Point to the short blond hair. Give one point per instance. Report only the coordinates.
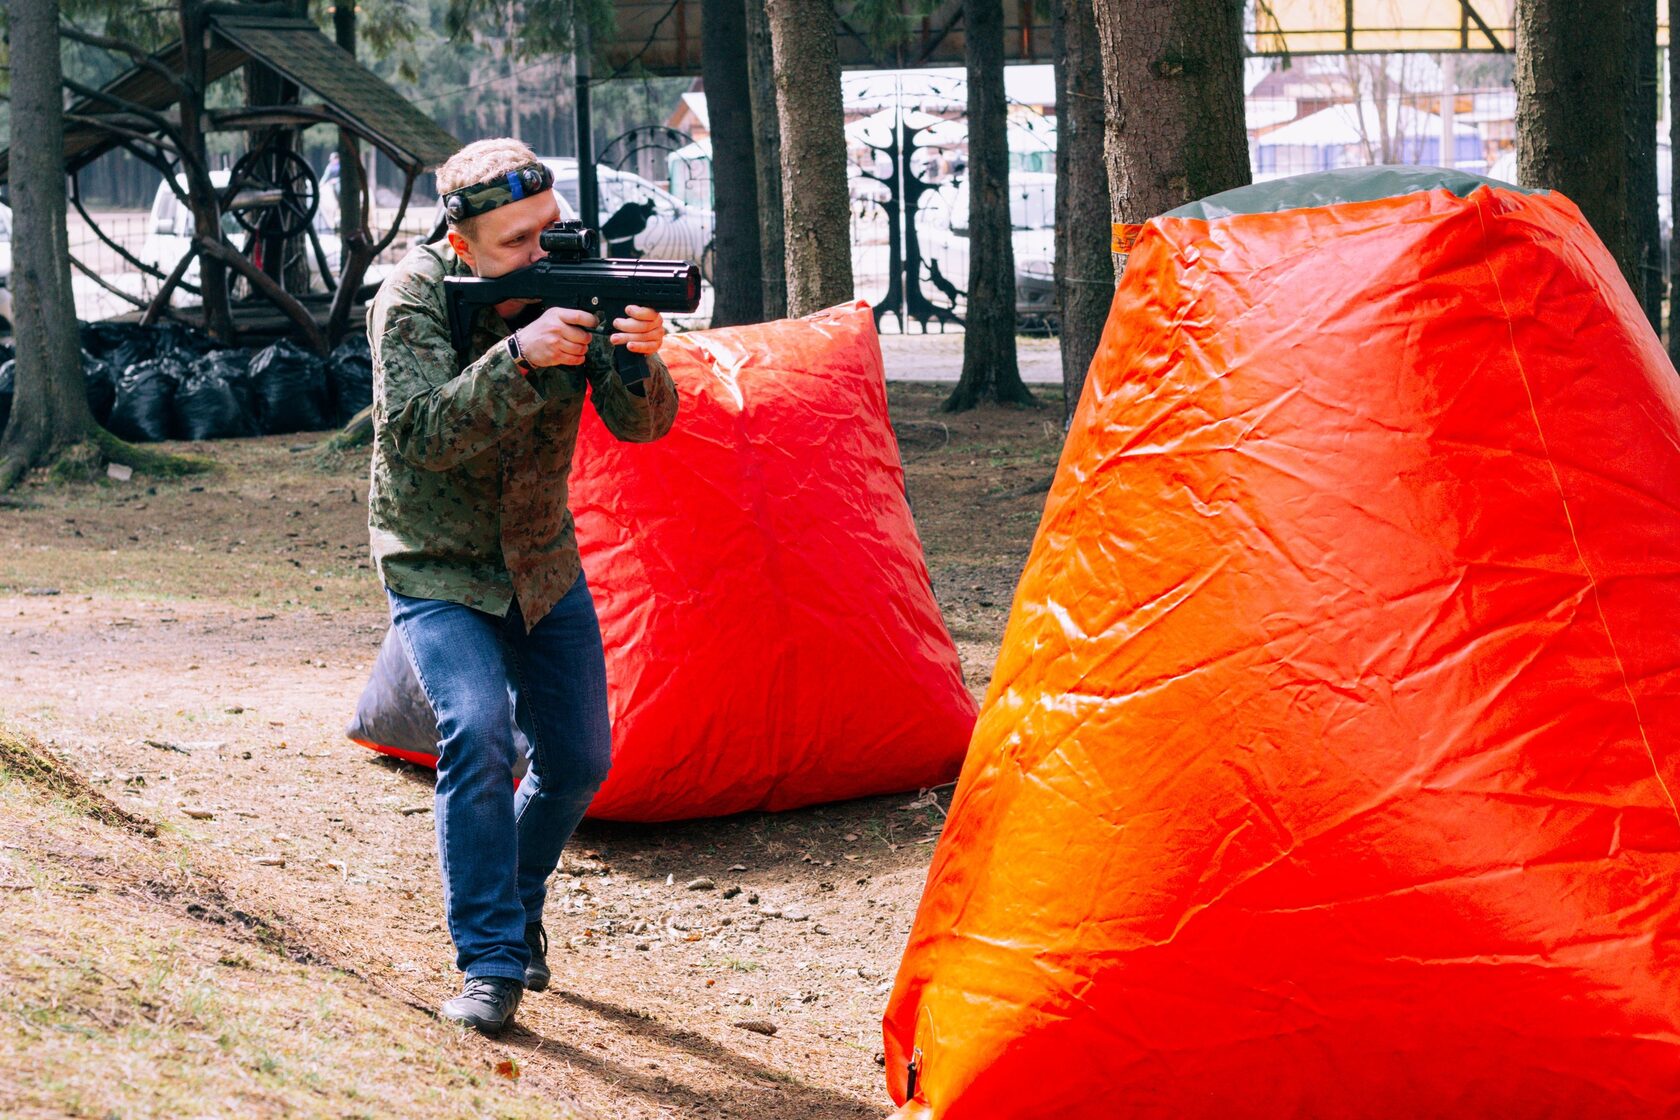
(481, 160)
(478, 161)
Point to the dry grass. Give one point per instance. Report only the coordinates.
(130, 986)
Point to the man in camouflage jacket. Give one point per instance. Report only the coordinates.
(475, 546)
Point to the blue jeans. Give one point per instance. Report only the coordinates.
(483, 675)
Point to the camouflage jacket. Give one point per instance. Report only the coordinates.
(468, 495)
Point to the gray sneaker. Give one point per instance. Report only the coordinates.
(536, 973)
(486, 1003)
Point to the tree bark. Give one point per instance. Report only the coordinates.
(817, 212)
(1172, 76)
(1644, 224)
(49, 405)
(1574, 88)
(1084, 264)
(737, 286)
(990, 371)
(767, 158)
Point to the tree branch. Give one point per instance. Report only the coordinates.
(106, 284)
(158, 120)
(141, 57)
(109, 125)
(265, 284)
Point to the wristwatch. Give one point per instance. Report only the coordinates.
(520, 362)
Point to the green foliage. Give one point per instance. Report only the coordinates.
(385, 29)
(537, 27)
(888, 24)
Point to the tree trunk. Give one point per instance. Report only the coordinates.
(49, 406)
(767, 158)
(989, 371)
(1574, 87)
(804, 38)
(1172, 76)
(737, 283)
(1644, 225)
(1084, 265)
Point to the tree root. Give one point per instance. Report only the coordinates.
(85, 461)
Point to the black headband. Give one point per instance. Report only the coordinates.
(511, 186)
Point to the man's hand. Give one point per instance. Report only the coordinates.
(642, 330)
(560, 335)
(557, 337)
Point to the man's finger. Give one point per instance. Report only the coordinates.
(637, 311)
(572, 334)
(574, 317)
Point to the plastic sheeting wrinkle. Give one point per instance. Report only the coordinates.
(1569, 519)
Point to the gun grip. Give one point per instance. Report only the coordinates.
(632, 369)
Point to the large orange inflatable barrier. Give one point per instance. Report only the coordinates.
(1329, 767)
(771, 632)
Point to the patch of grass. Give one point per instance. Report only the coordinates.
(131, 986)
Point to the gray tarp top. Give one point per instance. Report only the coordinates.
(1327, 188)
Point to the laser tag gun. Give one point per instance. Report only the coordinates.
(574, 276)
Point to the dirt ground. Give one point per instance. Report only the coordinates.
(198, 644)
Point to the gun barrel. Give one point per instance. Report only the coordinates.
(661, 285)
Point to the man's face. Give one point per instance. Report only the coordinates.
(507, 238)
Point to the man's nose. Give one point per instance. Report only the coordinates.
(535, 254)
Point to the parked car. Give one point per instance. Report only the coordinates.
(943, 233)
(169, 231)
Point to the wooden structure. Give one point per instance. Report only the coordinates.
(154, 111)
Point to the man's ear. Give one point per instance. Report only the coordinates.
(463, 250)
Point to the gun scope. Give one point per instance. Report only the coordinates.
(570, 241)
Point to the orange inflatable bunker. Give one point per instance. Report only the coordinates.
(1329, 767)
(771, 633)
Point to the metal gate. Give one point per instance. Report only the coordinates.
(907, 161)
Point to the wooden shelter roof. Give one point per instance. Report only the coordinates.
(350, 93)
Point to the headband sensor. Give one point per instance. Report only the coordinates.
(480, 198)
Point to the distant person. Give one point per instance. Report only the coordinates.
(330, 175)
(474, 544)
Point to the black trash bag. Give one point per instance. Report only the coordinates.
(291, 389)
(145, 401)
(207, 407)
(182, 342)
(355, 345)
(100, 380)
(234, 367)
(6, 384)
(124, 345)
(350, 374)
(102, 339)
